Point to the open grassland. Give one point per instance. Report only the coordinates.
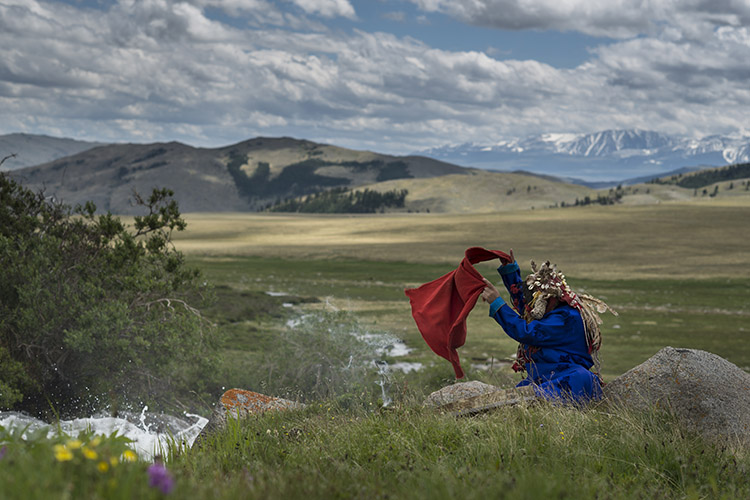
(677, 273)
(669, 240)
(709, 314)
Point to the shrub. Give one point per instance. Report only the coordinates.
(92, 307)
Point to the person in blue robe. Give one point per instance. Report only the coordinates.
(550, 322)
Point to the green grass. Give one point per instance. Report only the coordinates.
(528, 452)
(344, 445)
(708, 314)
(322, 451)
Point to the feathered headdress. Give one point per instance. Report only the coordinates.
(546, 282)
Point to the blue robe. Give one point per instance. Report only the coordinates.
(555, 345)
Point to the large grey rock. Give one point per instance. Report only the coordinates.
(706, 393)
(238, 403)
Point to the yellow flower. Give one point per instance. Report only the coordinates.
(89, 453)
(113, 461)
(73, 444)
(129, 456)
(62, 454)
(102, 466)
(95, 442)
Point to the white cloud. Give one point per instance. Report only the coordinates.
(613, 18)
(164, 70)
(397, 15)
(327, 8)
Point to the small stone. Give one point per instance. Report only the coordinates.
(240, 403)
(458, 391)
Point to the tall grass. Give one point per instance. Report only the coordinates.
(326, 451)
(539, 451)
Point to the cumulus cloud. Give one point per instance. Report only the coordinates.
(327, 8)
(613, 18)
(163, 70)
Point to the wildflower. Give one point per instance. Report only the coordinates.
(102, 466)
(62, 454)
(73, 444)
(129, 456)
(3, 451)
(95, 442)
(113, 461)
(159, 477)
(89, 453)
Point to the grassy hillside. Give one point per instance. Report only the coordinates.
(242, 177)
(706, 177)
(258, 173)
(31, 149)
(483, 191)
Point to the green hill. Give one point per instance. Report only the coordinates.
(242, 177)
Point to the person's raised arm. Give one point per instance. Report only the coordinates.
(511, 275)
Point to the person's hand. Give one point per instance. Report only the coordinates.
(490, 293)
(505, 262)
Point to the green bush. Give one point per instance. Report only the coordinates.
(91, 307)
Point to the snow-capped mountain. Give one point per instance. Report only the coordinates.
(611, 155)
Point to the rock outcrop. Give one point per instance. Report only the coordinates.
(705, 392)
(238, 403)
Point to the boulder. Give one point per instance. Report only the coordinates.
(458, 391)
(238, 403)
(705, 392)
(469, 398)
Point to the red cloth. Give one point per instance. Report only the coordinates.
(440, 307)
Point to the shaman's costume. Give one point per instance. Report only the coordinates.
(559, 348)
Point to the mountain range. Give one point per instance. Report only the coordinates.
(255, 174)
(600, 159)
(246, 176)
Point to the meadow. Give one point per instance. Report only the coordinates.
(676, 273)
(298, 295)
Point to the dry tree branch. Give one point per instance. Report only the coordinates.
(7, 158)
(168, 303)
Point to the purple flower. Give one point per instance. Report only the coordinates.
(3, 451)
(159, 477)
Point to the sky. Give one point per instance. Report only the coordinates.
(392, 76)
